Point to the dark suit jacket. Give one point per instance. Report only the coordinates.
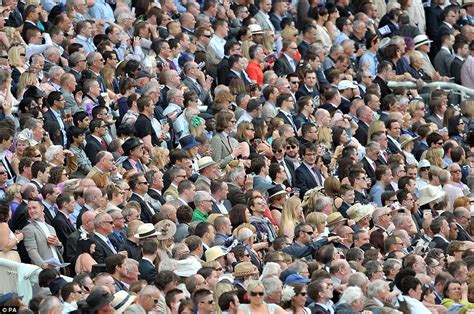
(48, 218)
(223, 70)
(392, 147)
(361, 198)
(232, 75)
(456, 70)
(93, 146)
(102, 250)
(52, 126)
(384, 89)
(133, 249)
(439, 243)
(418, 149)
(362, 133)
(79, 217)
(20, 217)
(63, 227)
(303, 91)
(146, 214)
(70, 250)
(318, 309)
(305, 179)
(282, 66)
(235, 195)
(303, 47)
(286, 120)
(147, 270)
(116, 242)
(27, 26)
(462, 234)
(369, 170)
(156, 196)
(216, 209)
(203, 94)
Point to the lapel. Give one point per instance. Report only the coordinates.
(35, 224)
(225, 142)
(104, 244)
(310, 174)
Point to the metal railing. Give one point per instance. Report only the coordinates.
(454, 88)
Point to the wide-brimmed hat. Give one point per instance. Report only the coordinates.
(245, 269)
(405, 139)
(421, 40)
(166, 229)
(358, 211)
(121, 301)
(188, 142)
(56, 284)
(187, 267)
(255, 29)
(467, 2)
(214, 253)
(98, 299)
(431, 193)
(277, 190)
(334, 218)
(130, 144)
(205, 161)
(146, 231)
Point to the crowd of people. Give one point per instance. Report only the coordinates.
(238, 156)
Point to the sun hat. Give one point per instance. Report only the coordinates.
(121, 301)
(334, 218)
(187, 267)
(188, 142)
(405, 139)
(358, 211)
(165, 229)
(245, 269)
(423, 164)
(214, 253)
(345, 84)
(421, 40)
(277, 190)
(205, 161)
(255, 29)
(431, 193)
(146, 231)
(296, 278)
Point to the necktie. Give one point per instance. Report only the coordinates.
(385, 155)
(111, 246)
(8, 167)
(102, 143)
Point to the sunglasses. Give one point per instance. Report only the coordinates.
(254, 294)
(303, 294)
(278, 151)
(208, 302)
(291, 147)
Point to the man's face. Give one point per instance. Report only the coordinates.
(292, 150)
(291, 51)
(456, 173)
(35, 210)
(310, 157)
(363, 239)
(395, 130)
(307, 235)
(310, 79)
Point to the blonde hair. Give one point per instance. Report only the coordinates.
(435, 156)
(316, 219)
(325, 136)
(157, 157)
(26, 78)
(194, 130)
(268, 39)
(13, 189)
(467, 108)
(244, 47)
(222, 287)
(287, 33)
(413, 106)
(14, 56)
(223, 96)
(288, 214)
(241, 129)
(375, 126)
(108, 75)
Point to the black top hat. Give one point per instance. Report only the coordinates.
(98, 299)
(130, 144)
(277, 190)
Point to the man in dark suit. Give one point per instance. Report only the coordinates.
(307, 176)
(448, 17)
(155, 186)
(50, 193)
(393, 133)
(118, 236)
(32, 17)
(115, 266)
(365, 116)
(286, 106)
(463, 218)
(53, 119)
(192, 72)
(287, 63)
(231, 47)
(62, 223)
(461, 50)
(384, 73)
(87, 229)
(220, 203)
(103, 247)
(370, 159)
(309, 86)
(95, 141)
(139, 186)
(146, 264)
(237, 70)
(237, 179)
(440, 228)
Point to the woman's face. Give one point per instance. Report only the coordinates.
(430, 298)
(256, 295)
(334, 15)
(300, 298)
(20, 146)
(344, 137)
(249, 132)
(460, 126)
(247, 215)
(454, 292)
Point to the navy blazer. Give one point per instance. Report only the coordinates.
(147, 270)
(63, 228)
(439, 243)
(146, 214)
(102, 250)
(305, 179)
(285, 119)
(51, 125)
(362, 133)
(369, 170)
(93, 146)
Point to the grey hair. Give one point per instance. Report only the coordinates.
(389, 264)
(55, 70)
(200, 196)
(321, 202)
(271, 284)
(32, 123)
(51, 50)
(298, 266)
(335, 48)
(351, 294)
(271, 269)
(75, 57)
(375, 287)
(91, 58)
(171, 94)
(400, 218)
(235, 173)
(152, 87)
(372, 146)
(48, 304)
(99, 219)
(148, 290)
(444, 176)
(51, 151)
(129, 262)
(114, 213)
(357, 280)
